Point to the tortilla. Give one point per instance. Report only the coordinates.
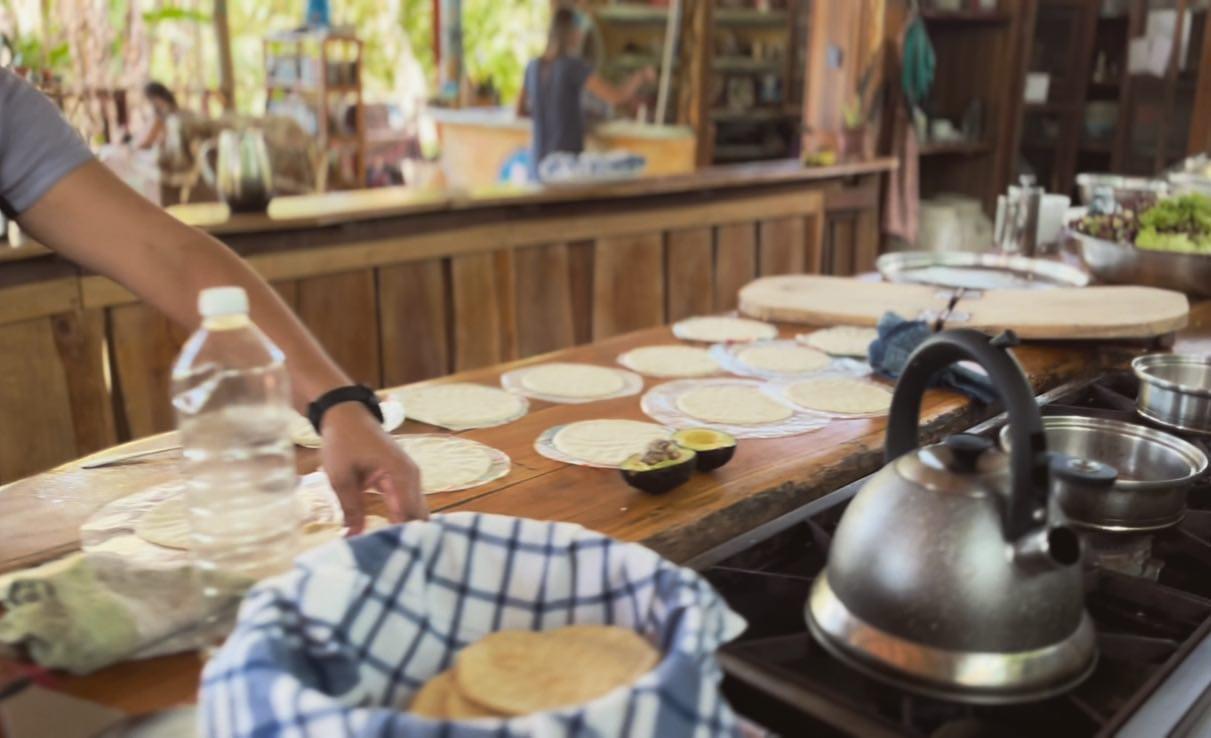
(519, 672)
(575, 381)
(732, 405)
(430, 700)
(783, 357)
(460, 707)
(462, 405)
(843, 395)
(672, 360)
(723, 330)
(317, 534)
(607, 442)
(446, 462)
(166, 524)
(843, 340)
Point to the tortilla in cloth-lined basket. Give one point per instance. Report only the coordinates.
(341, 644)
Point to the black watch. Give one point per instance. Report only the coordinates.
(353, 393)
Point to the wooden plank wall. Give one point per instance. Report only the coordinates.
(92, 367)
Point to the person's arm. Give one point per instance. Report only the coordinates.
(617, 95)
(94, 219)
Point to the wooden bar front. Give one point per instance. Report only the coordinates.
(402, 287)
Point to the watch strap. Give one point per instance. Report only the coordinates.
(359, 393)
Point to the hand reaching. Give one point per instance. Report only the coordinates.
(358, 455)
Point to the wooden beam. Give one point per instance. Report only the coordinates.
(222, 34)
(1200, 118)
(697, 51)
(38, 299)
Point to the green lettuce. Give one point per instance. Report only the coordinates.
(1181, 224)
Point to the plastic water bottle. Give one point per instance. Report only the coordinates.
(231, 394)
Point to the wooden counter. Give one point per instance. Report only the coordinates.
(403, 286)
(767, 478)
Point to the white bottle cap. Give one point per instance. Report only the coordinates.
(218, 302)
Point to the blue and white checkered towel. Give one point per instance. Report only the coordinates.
(339, 645)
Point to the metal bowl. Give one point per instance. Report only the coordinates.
(1087, 184)
(1188, 183)
(962, 269)
(1175, 390)
(1155, 470)
(1123, 263)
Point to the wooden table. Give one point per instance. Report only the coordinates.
(767, 478)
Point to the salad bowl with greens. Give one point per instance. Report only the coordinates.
(1161, 243)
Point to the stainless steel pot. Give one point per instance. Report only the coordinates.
(943, 577)
(1175, 390)
(1154, 472)
(1123, 263)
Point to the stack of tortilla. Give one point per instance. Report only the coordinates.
(517, 672)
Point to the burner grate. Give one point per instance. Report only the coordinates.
(1149, 615)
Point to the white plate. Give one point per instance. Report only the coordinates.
(660, 404)
(545, 446)
(499, 465)
(728, 356)
(684, 329)
(778, 390)
(632, 384)
(523, 407)
(111, 530)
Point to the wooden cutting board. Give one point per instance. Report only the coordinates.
(1059, 313)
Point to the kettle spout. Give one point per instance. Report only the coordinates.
(1045, 549)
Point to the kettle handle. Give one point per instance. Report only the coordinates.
(1028, 458)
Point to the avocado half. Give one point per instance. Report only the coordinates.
(662, 467)
(713, 448)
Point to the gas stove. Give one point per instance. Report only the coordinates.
(1148, 593)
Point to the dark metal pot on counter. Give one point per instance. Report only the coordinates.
(944, 576)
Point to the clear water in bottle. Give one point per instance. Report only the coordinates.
(231, 394)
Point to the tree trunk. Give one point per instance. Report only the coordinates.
(223, 37)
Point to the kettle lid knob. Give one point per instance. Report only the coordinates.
(965, 451)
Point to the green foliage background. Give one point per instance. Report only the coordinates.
(499, 37)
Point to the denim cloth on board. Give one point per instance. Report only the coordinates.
(899, 338)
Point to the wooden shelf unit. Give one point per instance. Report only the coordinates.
(959, 148)
(1152, 128)
(965, 17)
(315, 77)
(757, 47)
(979, 58)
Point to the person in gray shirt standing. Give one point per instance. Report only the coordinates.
(552, 91)
(67, 200)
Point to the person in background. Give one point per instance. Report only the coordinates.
(551, 93)
(163, 104)
(70, 202)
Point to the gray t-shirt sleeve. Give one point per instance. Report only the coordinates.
(37, 145)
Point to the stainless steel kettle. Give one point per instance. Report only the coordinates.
(943, 576)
